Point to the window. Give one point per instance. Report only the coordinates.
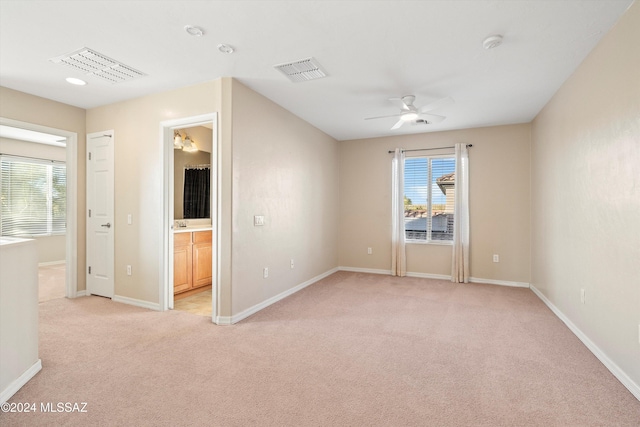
(429, 198)
(33, 194)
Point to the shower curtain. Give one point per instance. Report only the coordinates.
(196, 202)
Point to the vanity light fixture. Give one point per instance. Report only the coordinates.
(177, 141)
(189, 145)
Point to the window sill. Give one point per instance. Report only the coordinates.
(432, 242)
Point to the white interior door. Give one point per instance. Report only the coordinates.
(100, 222)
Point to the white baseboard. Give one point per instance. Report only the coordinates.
(429, 276)
(499, 282)
(137, 302)
(364, 270)
(20, 381)
(48, 263)
(608, 363)
(221, 320)
(81, 294)
(436, 276)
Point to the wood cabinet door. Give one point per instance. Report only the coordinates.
(201, 264)
(182, 268)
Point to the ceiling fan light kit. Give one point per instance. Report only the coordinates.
(407, 117)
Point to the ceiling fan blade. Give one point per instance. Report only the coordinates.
(437, 104)
(382, 117)
(398, 124)
(432, 118)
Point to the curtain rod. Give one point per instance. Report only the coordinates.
(16, 156)
(197, 167)
(427, 149)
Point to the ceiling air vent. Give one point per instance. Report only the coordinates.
(96, 64)
(302, 70)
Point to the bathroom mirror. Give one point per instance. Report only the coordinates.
(192, 194)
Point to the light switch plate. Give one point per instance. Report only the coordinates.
(258, 220)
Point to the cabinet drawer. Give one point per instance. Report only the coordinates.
(181, 239)
(202, 236)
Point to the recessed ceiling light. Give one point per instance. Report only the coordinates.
(75, 81)
(492, 41)
(193, 31)
(225, 48)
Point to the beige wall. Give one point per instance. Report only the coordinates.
(139, 178)
(51, 249)
(282, 168)
(586, 196)
(44, 112)
(286, 170)
(32, 149)
(499, 203)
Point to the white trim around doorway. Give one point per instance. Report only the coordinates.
(167, 128)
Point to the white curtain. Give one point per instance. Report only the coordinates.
(460, 259)
(398, 259)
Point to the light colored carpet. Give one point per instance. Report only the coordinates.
(351, 350)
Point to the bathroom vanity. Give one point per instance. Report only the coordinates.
(192, 253)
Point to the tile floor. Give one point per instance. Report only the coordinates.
(199, 304)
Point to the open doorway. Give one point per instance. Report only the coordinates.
(192, 266)
(190, 244)
(43, 160)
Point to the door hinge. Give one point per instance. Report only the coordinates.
(89, 155)
(89, 213)
(89, 270)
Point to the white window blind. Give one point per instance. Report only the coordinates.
(33, 193)
(429, 198)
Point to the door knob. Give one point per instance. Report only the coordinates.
(108, 225)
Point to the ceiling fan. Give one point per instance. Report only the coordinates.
(409, 113)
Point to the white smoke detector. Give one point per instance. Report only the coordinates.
(492, 41)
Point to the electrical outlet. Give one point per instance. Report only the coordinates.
(496, 258)
(292, 263)
(369, 251)
(265, 272)
(582, 296)
(128, 270)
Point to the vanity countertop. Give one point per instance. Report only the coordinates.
(191, 229)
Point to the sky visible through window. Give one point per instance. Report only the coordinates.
(415, 184)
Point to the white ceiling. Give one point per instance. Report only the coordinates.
(371, 50)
